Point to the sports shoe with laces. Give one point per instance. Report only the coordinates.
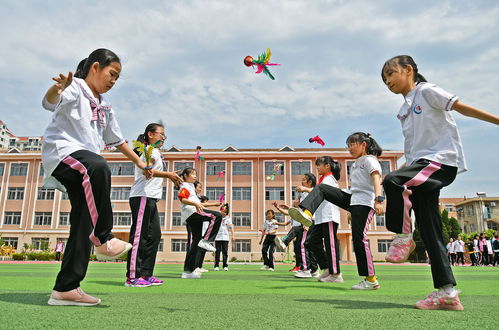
(316, 274)
(226, 269)
(366, 285)
(440, 300)
(203, 270)
(299, 215)
(324, 274)
(153, 280)
(112, 249)
(265, 268)
(216, 269)
(333, 279)
(190, 275)
(138, 282)
(278, 241)
(400, 249)
(303, 274)
(75, 297)
(204, 244)
(294, 269)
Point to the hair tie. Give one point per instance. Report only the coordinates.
(368, 135)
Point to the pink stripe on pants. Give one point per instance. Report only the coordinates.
(210, 227)
(303, 254)
(417, 180)
(333, 246)
(89, 195)
(369, 257)
(136, 238)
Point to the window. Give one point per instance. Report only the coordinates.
(64, 196)
(380, 221)
(120, 193)
(39, 243)
(46, 194)
(241, 168)
(12, 241)
(213, 168)
(300, 168)
(385, 167)
(179, 245)
(165, 166)
(214, 193)
(43, 218)
(162, 219)
(279, 217)
(42, 172)
(176, 220)
(124, 168)
(241, 245)
(18, 169)
(163, 193)
(122, 219)
(470, 210)
(270, 168)
(64, 219)
(241, 193)
(161, 245)
(178, 166)
(2, 166)
(383, 245)
(12, 218)
(241, 219)
(15, 193)
(274, 194)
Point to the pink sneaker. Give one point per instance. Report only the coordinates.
(333, 279)
(440, 300)
(400, 249)
(112, 249)
(153, 280)
(75, 297)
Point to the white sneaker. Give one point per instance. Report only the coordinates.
(204, 244)
(303, 274)
(324, 274)
(366, 285)
(271, 269)
(216, 269)
(190, 275)
(300, 216)
(278, 241)
(226, 269)
(203, 270)
(197, 271)
(265, 268)
(333, 279)
(316, 274)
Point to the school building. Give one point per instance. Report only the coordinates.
(477, 214)
(37, 216)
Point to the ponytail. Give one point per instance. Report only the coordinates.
(333, 164)
(372, 147)
(79, 69)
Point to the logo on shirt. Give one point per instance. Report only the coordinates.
(417, 109)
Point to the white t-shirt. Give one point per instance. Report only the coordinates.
(153, 187)
(429, 129)
(188, 191)
(450, 247)
(327, 212)
(73, 129)
(459, 246)
(223, 232)
(270, 225)
(362, 184)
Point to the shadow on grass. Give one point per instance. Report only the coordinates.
(356, 304)
(323, 286)
(173, 310)
(33, 298)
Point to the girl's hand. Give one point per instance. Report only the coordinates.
(173, 176)
(379, 208)
(199, 207)
(62, 82)
(301, 189)
(305, 228)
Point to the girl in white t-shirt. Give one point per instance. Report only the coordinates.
(82, 122)
(269, 232)
(363, 201)
(434, 155)
(193, 216)
(145, 232)
(223, 238)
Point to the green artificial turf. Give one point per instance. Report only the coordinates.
(245, 298)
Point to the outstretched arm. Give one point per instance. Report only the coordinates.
(128, 152)
(54, 92)
(469, 111)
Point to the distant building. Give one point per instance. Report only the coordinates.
(478, 214)
(449, 204)
(34, 215)
(9, 141)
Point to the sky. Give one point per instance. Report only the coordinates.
(182, 63)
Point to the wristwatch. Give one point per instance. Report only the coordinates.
(379, 199)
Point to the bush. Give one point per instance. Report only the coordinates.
(93, 257)
(18, 256)
(233, 259)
